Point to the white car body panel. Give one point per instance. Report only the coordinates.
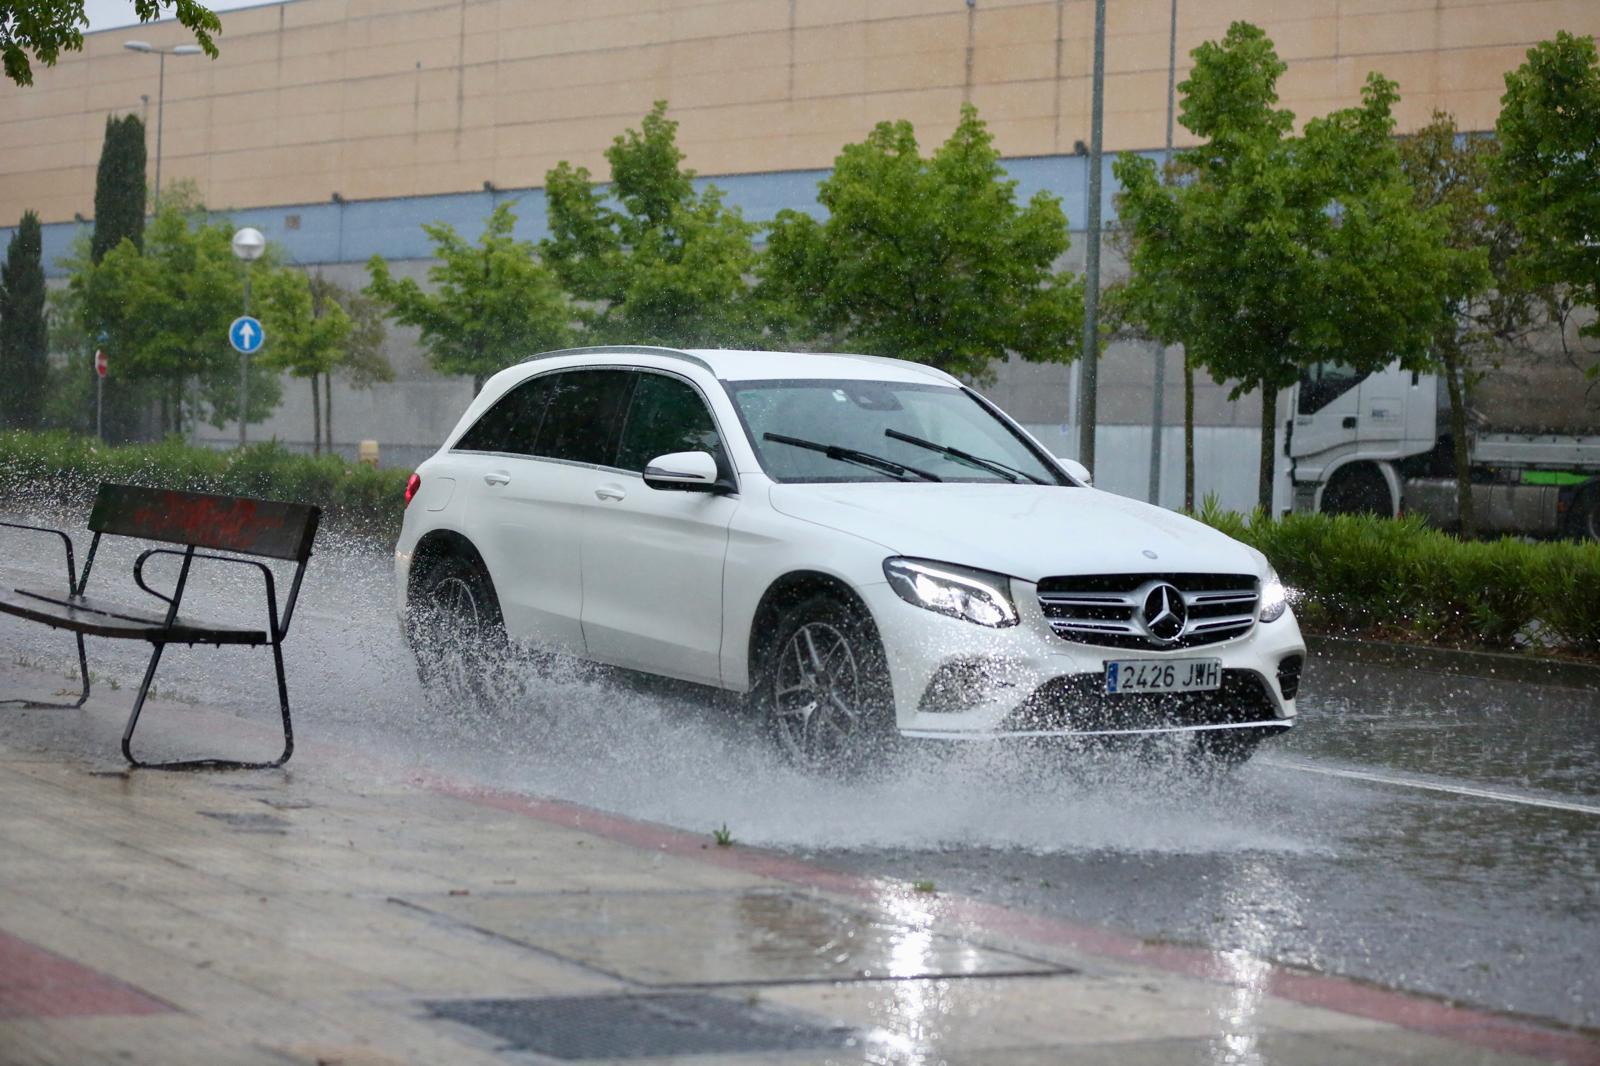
(670, 582)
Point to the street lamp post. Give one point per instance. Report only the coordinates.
(248, 244)
(161, 90)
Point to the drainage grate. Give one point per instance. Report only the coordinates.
(576, 1028)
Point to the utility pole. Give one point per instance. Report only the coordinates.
(1158, 415)
(161, 91)
(248, 244)
(1091, 288)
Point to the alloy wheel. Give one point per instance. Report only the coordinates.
(817, 708)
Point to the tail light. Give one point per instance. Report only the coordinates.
(413, 483)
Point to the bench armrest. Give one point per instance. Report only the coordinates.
(66, 541)
(266, 574)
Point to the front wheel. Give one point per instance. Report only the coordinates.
(1224, 750)
(1583, 517)
(457, 635)
(825, 691)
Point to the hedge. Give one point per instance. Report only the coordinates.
(1397, 579)
(1353, 575)
(48, 469)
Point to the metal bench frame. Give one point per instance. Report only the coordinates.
(110, 517)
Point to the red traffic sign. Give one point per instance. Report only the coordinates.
(100, 362)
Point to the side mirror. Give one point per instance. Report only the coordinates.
(683, 472)
(1078, 471)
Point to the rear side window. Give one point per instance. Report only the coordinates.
(666, 415)
(513, 423)
(583, 415)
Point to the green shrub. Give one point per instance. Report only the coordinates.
(1399, 579)
(43, 469)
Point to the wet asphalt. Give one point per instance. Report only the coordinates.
(1432, 834)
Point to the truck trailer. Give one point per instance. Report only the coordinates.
(1380, 443)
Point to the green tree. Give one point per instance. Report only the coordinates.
(309, 330)
(361, 360)
(1489, 304)
(493, 302)
(927, 259)
(46, 28)
(119, 192)
(24, 335)
(165, 313)
(1266, 252)
(666, 265)
(1545, 175)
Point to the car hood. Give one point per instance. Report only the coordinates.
(1023, 531)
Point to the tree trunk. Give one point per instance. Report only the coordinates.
(327, 410)
(1188, 435)
(1451, 358)
(316, 417)
(1269, 446)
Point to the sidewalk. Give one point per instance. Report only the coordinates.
(338, 912)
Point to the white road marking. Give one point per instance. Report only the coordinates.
(1432, 786)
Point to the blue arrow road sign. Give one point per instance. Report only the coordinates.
(245, 335)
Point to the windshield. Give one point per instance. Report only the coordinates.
(882, 431)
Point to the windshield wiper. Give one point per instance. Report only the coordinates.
(1010, 473)
(853, 455)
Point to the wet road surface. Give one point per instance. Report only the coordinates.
(1429, 834)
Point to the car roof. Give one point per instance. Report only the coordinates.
(734, 364)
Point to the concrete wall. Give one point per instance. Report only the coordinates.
(382, 99)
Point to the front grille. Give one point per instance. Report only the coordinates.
(1080, 702)
(1108, 609)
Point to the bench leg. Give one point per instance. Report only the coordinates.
(83, 693)
(210, 764)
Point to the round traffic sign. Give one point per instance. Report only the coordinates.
(245, 334)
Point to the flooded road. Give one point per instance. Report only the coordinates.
(1430, 834)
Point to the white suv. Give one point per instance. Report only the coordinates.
(865, 546)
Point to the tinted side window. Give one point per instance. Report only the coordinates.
(666, 415)
(581, 422)
(513, 423)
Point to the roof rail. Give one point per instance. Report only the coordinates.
(622, 349)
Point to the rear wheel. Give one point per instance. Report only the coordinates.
(1358, 489)
(456, 633)
(1583, 516)
(825, 690)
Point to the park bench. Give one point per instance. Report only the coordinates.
(264, 529)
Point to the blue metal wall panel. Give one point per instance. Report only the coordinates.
(356, 231)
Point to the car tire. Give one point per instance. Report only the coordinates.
(457, 634)
(824, 690)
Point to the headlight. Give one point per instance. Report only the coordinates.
(975, 595)
(1274, 598)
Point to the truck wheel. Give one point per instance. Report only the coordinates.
(1358, 489)
(1583, 517)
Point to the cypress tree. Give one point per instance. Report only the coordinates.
(24, 340)
(119, 186)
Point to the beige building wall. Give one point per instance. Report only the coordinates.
(385, 98)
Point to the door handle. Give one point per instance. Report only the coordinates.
(497, 477)
(609, 492)
(1349, 422)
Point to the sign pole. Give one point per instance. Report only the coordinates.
(99, 400)
(244, 367)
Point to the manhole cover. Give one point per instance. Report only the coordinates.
(576, 1028)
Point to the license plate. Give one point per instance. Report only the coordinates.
(1163, 675)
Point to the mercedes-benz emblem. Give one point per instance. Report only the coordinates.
(1164, 613)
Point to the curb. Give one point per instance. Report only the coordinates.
(1499, 666)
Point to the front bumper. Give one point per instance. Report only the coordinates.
(955, 680)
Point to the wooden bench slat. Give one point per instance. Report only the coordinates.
(271, 528)
(104, 618)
